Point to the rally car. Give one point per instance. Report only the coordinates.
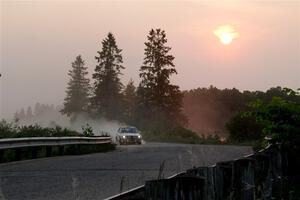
(128, 135)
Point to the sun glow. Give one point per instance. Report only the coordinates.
(226, 34)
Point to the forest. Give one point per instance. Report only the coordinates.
(159, 108)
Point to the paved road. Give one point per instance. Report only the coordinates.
(97, 176)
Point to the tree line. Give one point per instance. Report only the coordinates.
(38, 111)
(154, 100)
(155, 104)
(216, 111)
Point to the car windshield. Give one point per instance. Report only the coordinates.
(129, 130)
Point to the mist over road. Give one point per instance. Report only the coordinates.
(97, 176)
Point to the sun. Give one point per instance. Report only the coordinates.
(226, 34)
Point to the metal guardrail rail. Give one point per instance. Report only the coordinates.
(10, 143)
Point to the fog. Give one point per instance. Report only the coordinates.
(53, 117)
(40, 39)
(99, 126)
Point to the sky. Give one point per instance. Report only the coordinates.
(40, 39)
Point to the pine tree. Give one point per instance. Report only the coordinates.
(129, 98)
(107, 98)
(37, 109)
(16, 116)
(77, 98)
(155, 91)
(22, 114)
(29, 114)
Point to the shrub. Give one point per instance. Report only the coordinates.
(11, 130)
(7, 129)
(87, 130)
(281, 120)
(278, 121)
(244, 128)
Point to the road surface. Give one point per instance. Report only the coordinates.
(100, 175)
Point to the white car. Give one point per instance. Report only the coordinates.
(128, 135)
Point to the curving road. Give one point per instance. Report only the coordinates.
(100, 175)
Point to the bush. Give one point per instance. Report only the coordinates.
(281, 120)
(11, 130)
(7, 129)
(244, 128)
(277, 121)
(87, 130)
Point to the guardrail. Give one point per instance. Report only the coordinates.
(10, 143)
(14, 149)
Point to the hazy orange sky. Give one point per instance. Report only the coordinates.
(40, 39)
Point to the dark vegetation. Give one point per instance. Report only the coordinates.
(78, 89)
(12, 130)
(271, 121)
(209, 109)
(155, 106)
(162, 111)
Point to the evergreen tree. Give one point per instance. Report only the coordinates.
(37, 109)
(129, 96)
(107, 97)
(16, 116)
(29, 113)
(77, 98)
(155, 90)
(22, 114)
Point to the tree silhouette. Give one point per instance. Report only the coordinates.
(37, 109)
(107, 97)
(22, 114)
(129, 97)
(155, 90)
(78, 89)
(29, 113)
(16, 116)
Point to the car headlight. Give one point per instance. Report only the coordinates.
(123, 136)
(139, 136)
